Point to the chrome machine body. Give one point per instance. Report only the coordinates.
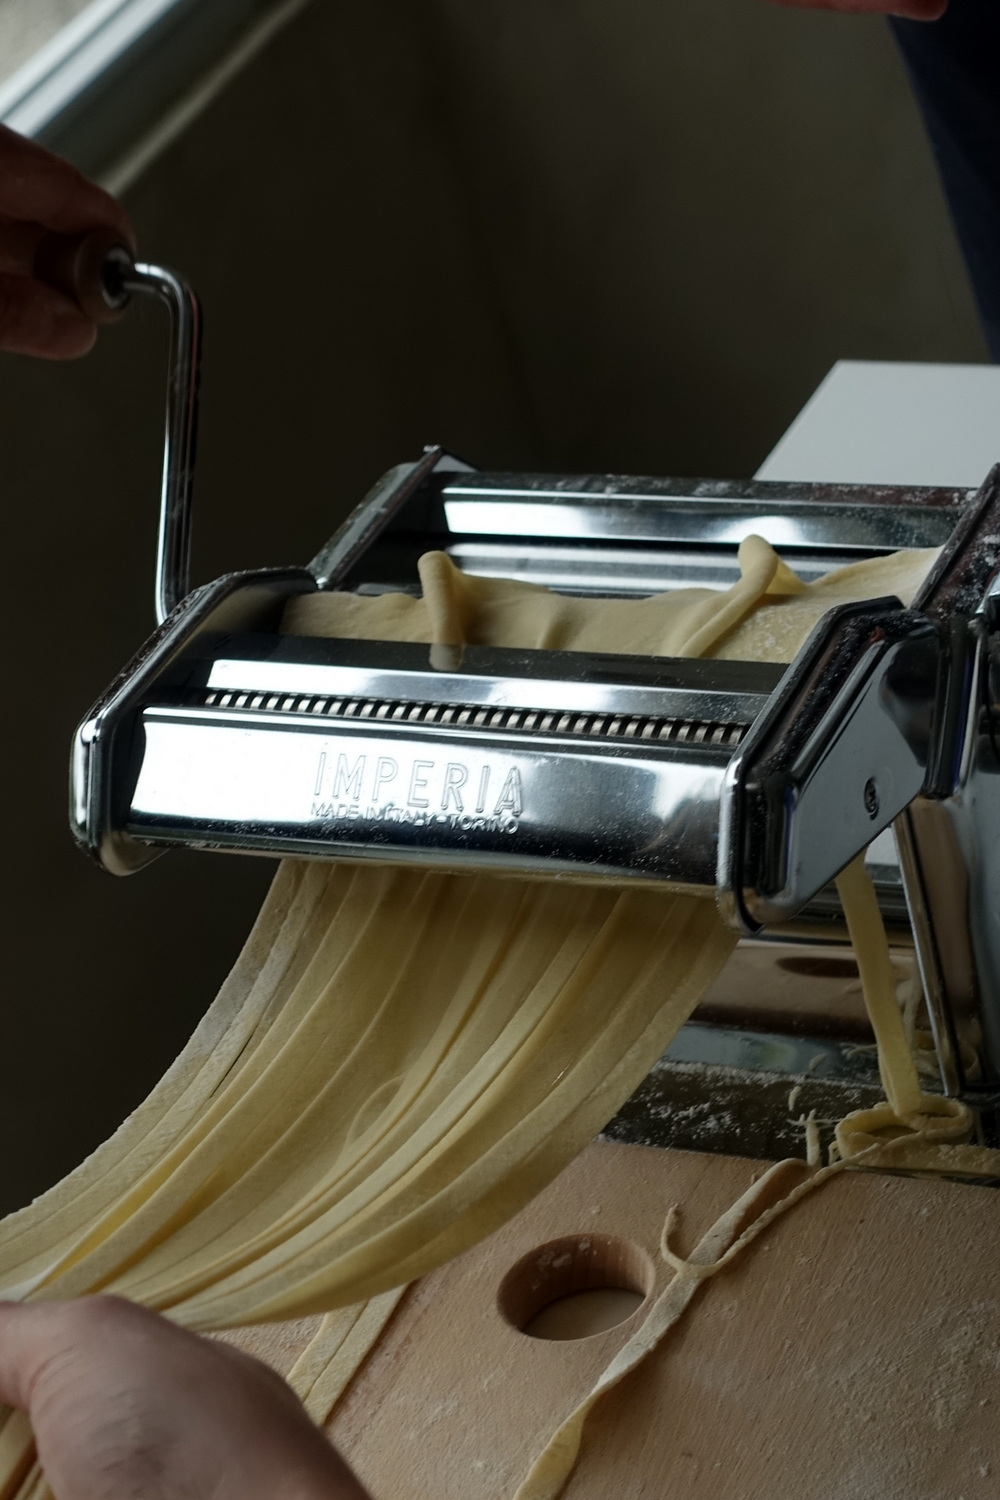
(754, 781)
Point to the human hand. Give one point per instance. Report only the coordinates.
(911, 10)
(124, 1403)
(40, 193)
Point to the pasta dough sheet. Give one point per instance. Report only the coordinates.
(401, 1059)
(764, 617)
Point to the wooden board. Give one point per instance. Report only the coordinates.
(852, 1354)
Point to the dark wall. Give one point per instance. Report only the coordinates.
(548, 233)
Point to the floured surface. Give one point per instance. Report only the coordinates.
(277, 1344)
(852, 1354)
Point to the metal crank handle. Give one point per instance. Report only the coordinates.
(100, 275)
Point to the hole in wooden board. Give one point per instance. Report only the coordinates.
(574, 1287)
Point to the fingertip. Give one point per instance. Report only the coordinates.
(61, 340)
(69, 337)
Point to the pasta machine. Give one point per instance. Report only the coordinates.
(753, 781)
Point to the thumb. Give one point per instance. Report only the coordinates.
(29, 1336)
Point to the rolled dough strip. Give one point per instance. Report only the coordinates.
(930, 1118)
(329, 1363)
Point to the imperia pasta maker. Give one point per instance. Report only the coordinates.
(752, 781)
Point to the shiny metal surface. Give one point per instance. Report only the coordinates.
(599, 569)
(848, 518)
(600, 765)
(935, 881)
(841, 748)
(948, 838)
(377, 510)
(231, 779)
(558, 682)
(951, 868)
(173, 545)
(103, 755)
(599, 725)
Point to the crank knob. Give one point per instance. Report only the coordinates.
(92, 269)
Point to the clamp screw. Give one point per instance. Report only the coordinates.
(871, 798)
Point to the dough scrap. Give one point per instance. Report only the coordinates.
(342, 1343)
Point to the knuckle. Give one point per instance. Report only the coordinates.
(88, 1317)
